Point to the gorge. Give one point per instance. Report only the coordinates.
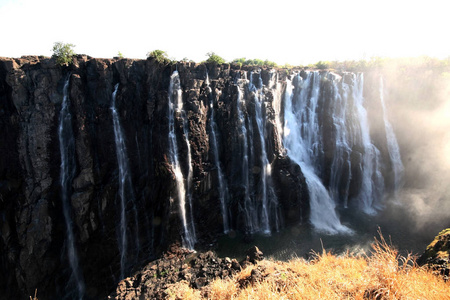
(106, 163)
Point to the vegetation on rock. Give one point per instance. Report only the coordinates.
(214, 58)
(440, 246)
(159, 55)
(437, 255)
(254, 62)
(63, 53)
(409, 64)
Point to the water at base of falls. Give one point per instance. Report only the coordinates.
(300, 241)
(67, 173)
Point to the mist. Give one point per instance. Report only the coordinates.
(417, 96)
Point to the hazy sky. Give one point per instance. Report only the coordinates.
(294, 31)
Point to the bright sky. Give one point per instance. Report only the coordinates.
(284, 31)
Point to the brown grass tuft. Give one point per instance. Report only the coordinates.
(35, 295)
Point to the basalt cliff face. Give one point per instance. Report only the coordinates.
(161, 154)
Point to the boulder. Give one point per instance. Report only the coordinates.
(254, 254)
(437, 254)
(197, 269)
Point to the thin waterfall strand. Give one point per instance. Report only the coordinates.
(263, 217)
(242, 133)
(67, 173)
(175, 107)
(125, 187)
(190, 176)
(223, 187)
(393, 148)
(372, 187)
(340, 176)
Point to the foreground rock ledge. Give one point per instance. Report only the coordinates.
(437, 254)
(179, 264)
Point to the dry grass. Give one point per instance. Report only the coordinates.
(382, 275)
(181, 290)
(35, 295)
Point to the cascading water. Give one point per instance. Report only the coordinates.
(67, 173)
(303, 144)
(242, 133)
(276, 86)
(340, 176)
(277, 98)
(190, 170)
(393, 148)
(372, 181)
(267, 193)
(126, 192)
(259, 122)
(176, 108)
(260, 207)
(223, 187)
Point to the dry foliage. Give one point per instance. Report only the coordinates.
(381, 275)
(35, 295)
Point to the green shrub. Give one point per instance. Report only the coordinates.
(254, 62)
(322, 65)
(63, 53)
(214, 58)
(159, 55)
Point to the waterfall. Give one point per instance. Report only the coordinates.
(242, 134)
(303, 145)
(190, 176)
(223, 187)
(372, 181)
(261, 206)
(340, 176)
(309, 117)
(277, 98)
(176, 108)
(126, 192)
(394, 150)
(267, 193)
(259, 105)
(276, 87)
(67, 173)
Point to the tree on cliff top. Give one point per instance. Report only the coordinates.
(63, 53)
(159, 55)
(214, 58)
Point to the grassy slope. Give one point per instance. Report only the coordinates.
(381, 275)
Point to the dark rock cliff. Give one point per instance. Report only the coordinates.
(33, 246)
